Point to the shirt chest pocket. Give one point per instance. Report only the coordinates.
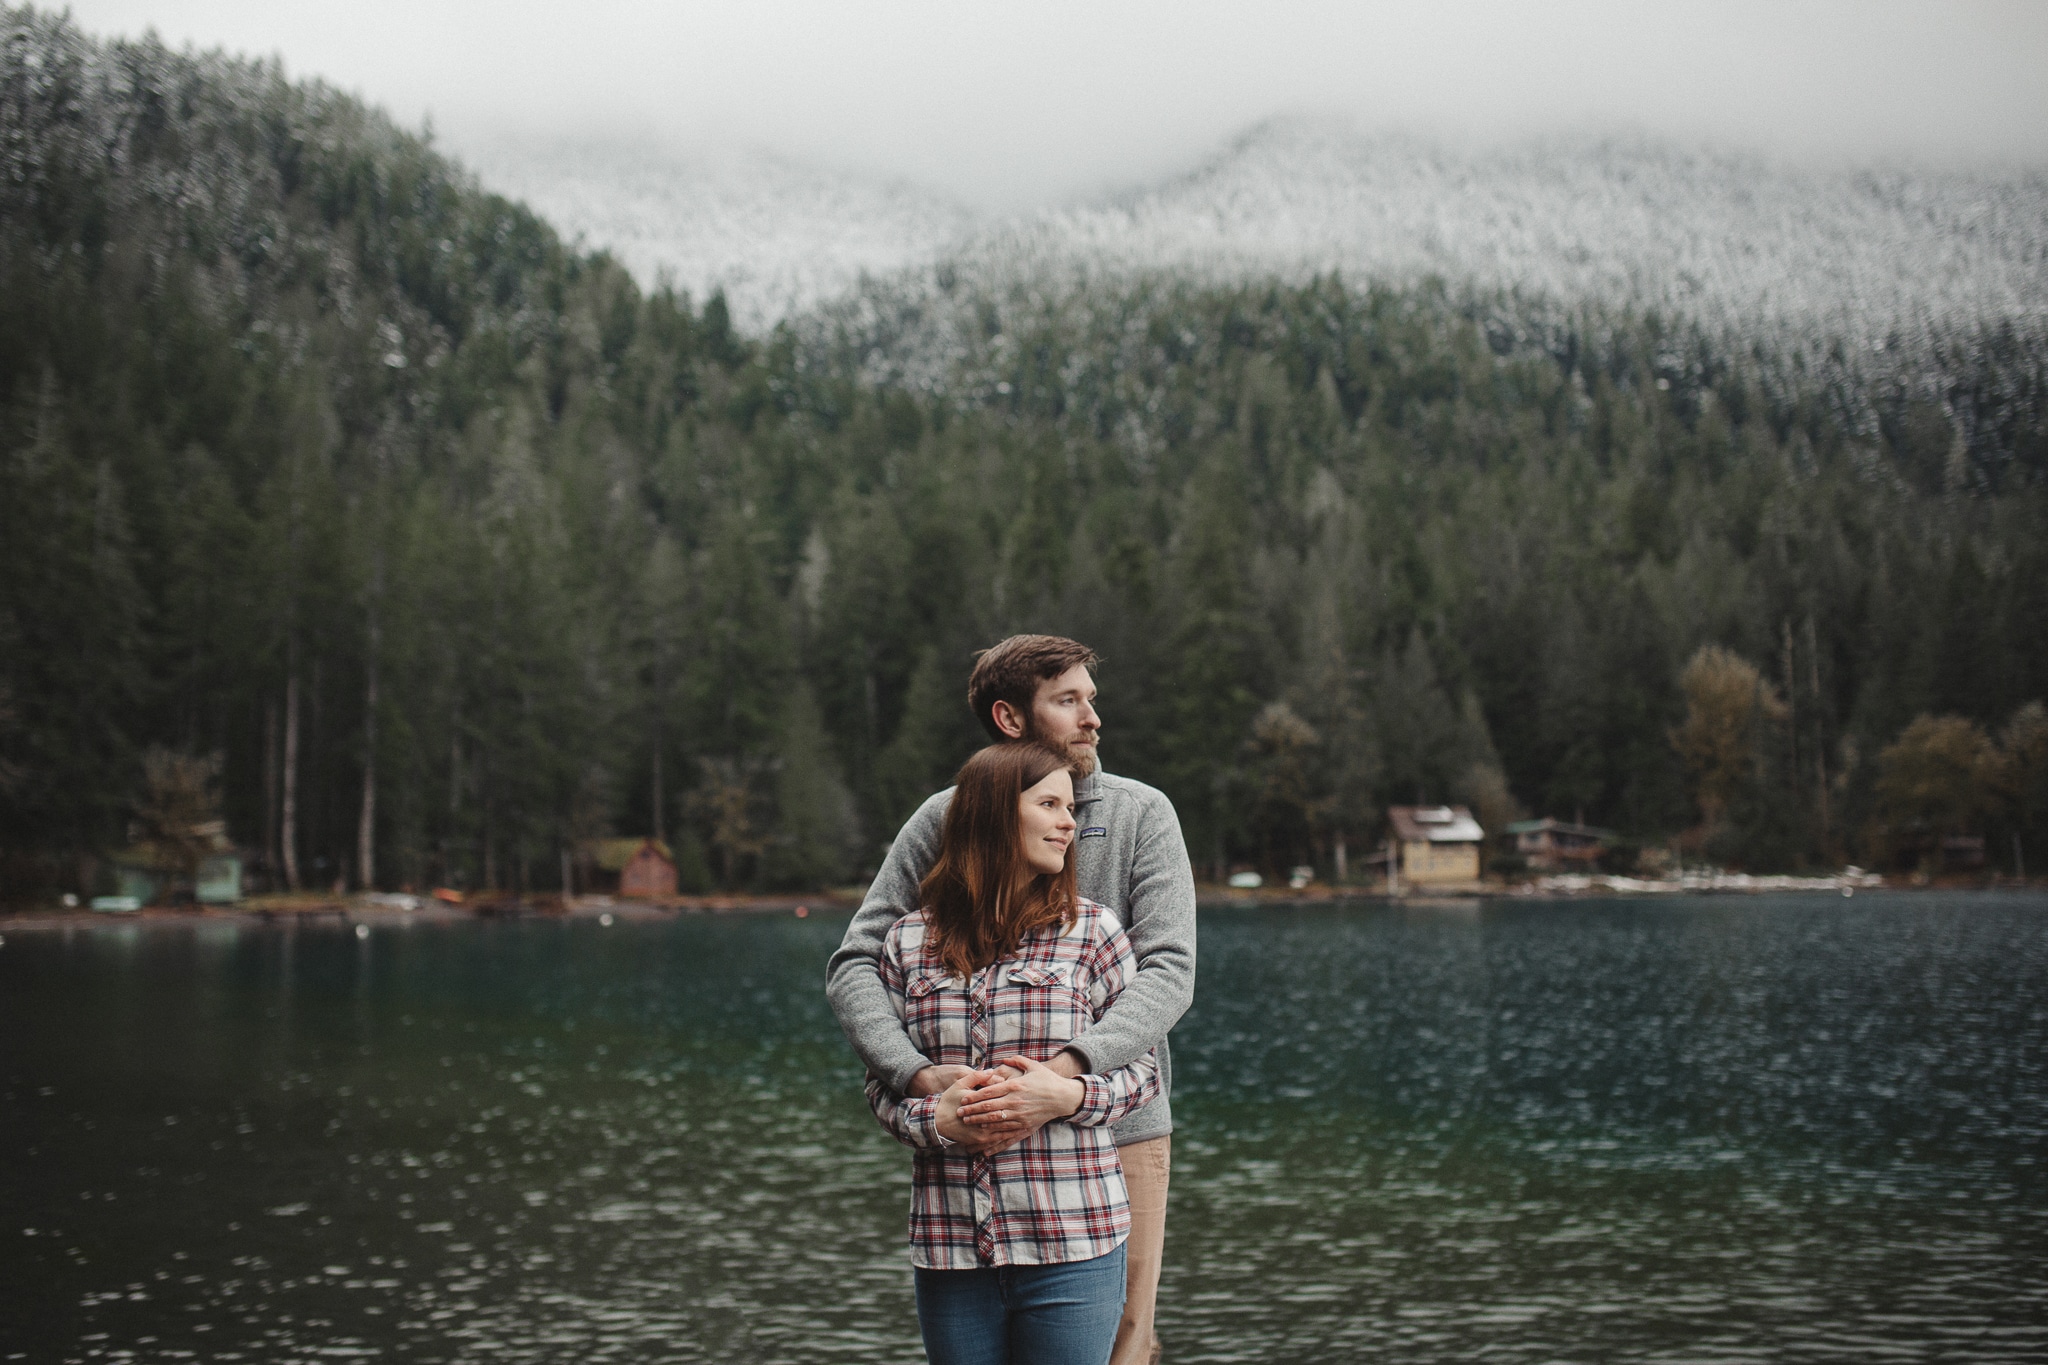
(935, 1015)
(1039, 1007)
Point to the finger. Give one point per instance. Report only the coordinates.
(994, 1113)
(1021, 1063)
(998, 1089)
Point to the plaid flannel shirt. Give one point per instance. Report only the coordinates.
(1059, 1195)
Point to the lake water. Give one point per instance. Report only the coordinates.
(1781, 1129)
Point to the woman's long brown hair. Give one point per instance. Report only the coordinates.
(975, 911)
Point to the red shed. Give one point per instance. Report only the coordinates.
(642, 867)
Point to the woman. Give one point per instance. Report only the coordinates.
(1018, 1246)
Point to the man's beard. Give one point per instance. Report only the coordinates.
(1084, 755)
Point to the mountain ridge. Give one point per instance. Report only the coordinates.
(1854, 254)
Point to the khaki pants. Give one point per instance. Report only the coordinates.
(1146, 1166)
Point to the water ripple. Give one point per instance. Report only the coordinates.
(1703, 1131)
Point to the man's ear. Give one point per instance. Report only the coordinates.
(1008, 719)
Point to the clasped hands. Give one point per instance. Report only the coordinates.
(992, 1111)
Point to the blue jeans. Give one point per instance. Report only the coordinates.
(1022, 1314)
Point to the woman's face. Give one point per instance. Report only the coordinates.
(1047, 812)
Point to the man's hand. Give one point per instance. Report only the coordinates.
(1024, 1097)
(936, 1080)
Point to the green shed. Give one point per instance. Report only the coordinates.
(143, 874)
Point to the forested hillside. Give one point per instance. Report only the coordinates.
(458, 548)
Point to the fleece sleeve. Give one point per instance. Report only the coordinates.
(853, 983)
(1159, 912)
(1109, 1097)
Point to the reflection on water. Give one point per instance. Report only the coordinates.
(1757, 1130)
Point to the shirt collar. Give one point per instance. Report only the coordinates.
(1087, 790)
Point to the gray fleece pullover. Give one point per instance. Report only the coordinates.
(1130, 858)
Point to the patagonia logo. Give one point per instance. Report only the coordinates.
(1095, 832)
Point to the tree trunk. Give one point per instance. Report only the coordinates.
(270, 853)
(451, 840)
(288, 812)
(1820, 782)
(1791, 710)
(366, 824)
(655, 820)
(288, 799)
(1820, 739)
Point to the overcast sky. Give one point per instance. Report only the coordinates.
(1008, 105)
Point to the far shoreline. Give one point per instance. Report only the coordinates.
(390, 911)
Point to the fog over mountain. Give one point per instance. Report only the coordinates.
(775, 234)
(1850, 253)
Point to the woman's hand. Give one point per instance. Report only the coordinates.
(1024, 1097)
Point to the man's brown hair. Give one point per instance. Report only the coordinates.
(1012, 670)
(978, 901)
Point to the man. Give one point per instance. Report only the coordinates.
(1129, 857)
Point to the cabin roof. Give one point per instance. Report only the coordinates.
(612, 855)
(1435, 824)
(1547, 824)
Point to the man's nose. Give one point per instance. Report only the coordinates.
(1089, 719)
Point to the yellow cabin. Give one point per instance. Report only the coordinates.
(1436, 846)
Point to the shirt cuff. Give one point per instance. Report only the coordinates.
(1097, 1097)
(921, 1122)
